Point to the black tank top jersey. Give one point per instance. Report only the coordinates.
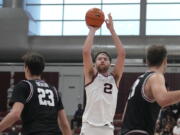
(140, 112)
(41, 105)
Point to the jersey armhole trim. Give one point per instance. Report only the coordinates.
(91, 80)
(143, 92)
(55, 90)
(115, 80)
(31, 91)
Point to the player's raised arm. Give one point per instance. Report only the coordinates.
(119, 65)
(94, 19)
(87, 58)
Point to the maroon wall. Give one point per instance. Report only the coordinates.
(4, 85)
(124, 88)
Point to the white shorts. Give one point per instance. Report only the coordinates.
(88, 129)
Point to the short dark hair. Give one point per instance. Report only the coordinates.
(35, 62)
(103, 52)
(155, 55)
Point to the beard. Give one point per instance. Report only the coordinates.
(102, 69)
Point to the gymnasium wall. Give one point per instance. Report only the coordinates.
(69, 81)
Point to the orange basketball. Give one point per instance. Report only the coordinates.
(94, 17)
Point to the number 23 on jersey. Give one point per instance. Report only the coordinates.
(46, 97)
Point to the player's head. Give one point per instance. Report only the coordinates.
(102, 61)
(34, 64)
(157, 56)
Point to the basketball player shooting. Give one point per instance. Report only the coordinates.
(101, 86)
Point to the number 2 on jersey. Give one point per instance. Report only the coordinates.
(108, 88)
(42, 95)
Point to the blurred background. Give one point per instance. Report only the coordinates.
(57, 29)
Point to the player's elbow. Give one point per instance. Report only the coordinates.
(163, 102)
(86, 51)
(122, 53)
(65, 128)
(16, 116)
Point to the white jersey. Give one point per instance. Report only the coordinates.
(176, 130)
(101, 100)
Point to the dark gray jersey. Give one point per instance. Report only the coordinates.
(41, 105)
(141, 112)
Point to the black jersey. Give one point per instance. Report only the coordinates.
(41, 105)
(140, 112)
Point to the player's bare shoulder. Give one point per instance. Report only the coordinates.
(155, 80)
(156, 77)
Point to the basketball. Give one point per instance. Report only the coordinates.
(94, 17)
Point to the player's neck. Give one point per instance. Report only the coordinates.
(104, 73)
(157, 69)
(34, 77)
